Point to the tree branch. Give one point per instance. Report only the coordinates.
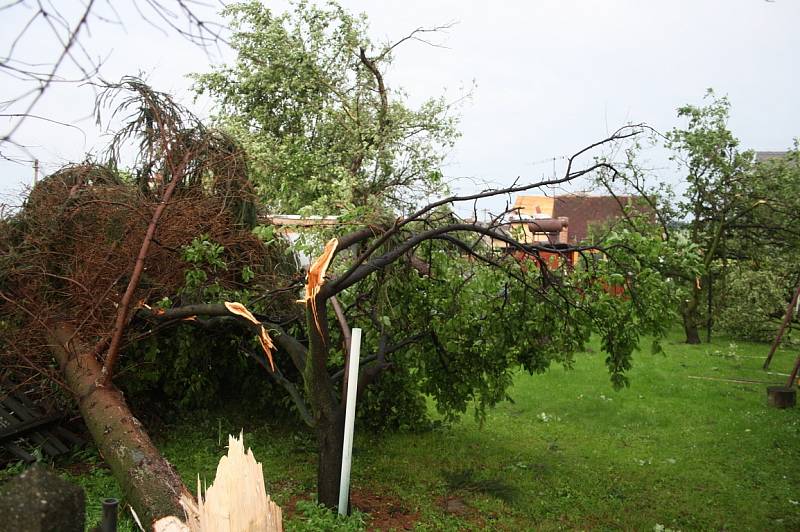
(290, 388)
(621, 134)
(294, 348)
(138, 268)
(360, 271)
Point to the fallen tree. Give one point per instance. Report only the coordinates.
(468, 317)
(95, 253)
(93, 244)
(151, 485)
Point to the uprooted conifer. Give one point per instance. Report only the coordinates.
(177, 194)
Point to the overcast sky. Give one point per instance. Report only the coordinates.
(550, 76)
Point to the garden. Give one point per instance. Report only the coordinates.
(690, 445)
(200, 278)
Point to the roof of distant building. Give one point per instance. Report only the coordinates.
(762, 156)
(582, 210)
(300, 221)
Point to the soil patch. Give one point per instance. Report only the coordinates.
(385, 512)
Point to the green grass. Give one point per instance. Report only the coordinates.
(673, 451)
(570, 453)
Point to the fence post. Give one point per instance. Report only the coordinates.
(349, 420)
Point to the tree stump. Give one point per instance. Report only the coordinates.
(781, 396)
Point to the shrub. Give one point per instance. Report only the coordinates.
(753, 304)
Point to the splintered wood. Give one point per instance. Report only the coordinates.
(263, 336)
(316, 277)
(316, 272)
(237, 501)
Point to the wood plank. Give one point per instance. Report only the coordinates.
(55, 433)
(19, 452)
(60, 438)
(739, 381)
(15, 410)
(53, 448)
(8, 418)
(14, 432)
(68, 435)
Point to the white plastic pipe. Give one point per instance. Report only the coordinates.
(349, 420)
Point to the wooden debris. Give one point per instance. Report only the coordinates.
(316, 277)
(237, 501)
(739, 381)
(21, 419)
(778, 373)
(781, 396)
(170, 524)
(263, 336)
(316, 272)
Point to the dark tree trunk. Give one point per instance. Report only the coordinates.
(328, 413)
(330, 437)
(710, 307)
(149, 483)
(691, 318)
(692, 332)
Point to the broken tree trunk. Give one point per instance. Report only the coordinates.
(150, 484)
(237, 501)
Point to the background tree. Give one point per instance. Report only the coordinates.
(752, 303)
(737, 215)
(718, 177)
(326, 133)
(762, 273)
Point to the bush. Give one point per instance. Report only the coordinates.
(313, 517)
(753, 304)
(394, 402)
(184, 370)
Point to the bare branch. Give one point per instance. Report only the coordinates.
(569, 175)
(72, 38)
(415, 36)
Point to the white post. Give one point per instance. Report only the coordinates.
(349, 420)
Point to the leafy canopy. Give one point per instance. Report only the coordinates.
(326, 134)
(717, 174)
(476, 324)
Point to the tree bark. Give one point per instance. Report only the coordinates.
(330, 438)
(149, 483)
(691, 330)
(690, 317)
(328, 413)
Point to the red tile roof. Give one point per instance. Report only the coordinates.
(586, 211)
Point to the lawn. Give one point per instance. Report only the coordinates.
(670, 452)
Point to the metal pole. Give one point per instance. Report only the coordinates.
(35, 171)
(349, 420)
(109, 522)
